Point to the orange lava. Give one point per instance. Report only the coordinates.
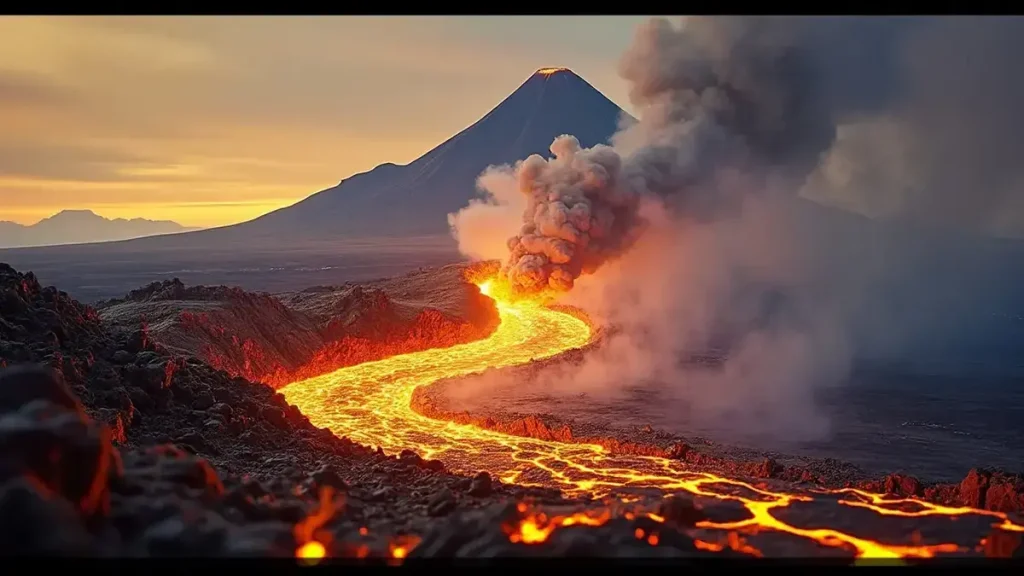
(732, 541)
(537, 526)
(400, 547)
(370, 403)
(889, 506)
(762, 519)
(307, 532)
(311, 551)
(549, 71)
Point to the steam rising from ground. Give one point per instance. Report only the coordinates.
(690, 235)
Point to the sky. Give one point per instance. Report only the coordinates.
(209, 121)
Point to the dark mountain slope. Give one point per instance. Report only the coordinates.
(415, 199)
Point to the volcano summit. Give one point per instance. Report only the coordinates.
(416, 198)
(317, 233)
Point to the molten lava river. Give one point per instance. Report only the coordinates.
(370, 404)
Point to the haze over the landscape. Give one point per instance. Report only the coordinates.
(199, 121)
(202, 121)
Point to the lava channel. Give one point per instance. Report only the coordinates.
(370, 403)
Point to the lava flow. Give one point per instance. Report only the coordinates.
(370, 403)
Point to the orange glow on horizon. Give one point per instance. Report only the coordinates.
(135, 116)
(190, 214)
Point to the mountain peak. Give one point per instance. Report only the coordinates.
(550, 71)
(416, 198)
(85, 212)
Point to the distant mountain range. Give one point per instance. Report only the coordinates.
(81, 226)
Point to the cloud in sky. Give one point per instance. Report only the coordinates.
(213, 120)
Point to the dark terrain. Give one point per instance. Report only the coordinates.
(930, 426)
(280, 338)
(119, 447)
(92, 272)
(517, 407)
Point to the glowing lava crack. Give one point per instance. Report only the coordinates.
(370, 403)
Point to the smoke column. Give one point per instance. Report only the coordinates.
(692, 232)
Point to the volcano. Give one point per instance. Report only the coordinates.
(415, 199)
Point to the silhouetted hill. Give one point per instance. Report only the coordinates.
(415, 199)
(82, 226)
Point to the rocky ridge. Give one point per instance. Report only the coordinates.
(277, 339)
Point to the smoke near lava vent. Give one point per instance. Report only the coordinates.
(719, 93)
(693, 232)
(577, 215)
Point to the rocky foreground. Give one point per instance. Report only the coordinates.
(112, 445)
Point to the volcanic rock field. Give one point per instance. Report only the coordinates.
(150, 426)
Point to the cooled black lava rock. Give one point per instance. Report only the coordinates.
(141, 400)
(20, 385)
(203, 401)
(442, 503)
(35, 523)
(472, 533)
(680, 511)
(181, 469)
(203, 536)
(275, 416)
(481, 485)
(326, 475)
(223, 409)
(262, 539)
(62, 450)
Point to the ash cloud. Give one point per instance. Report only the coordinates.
(692, 232)
(944, 152)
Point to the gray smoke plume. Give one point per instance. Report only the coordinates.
(945, 149)
(692, 233)
(719, 93)
(578, 214)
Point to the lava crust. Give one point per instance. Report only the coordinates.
(115, 445)
(992, 490)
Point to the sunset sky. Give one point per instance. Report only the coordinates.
(215, 120)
